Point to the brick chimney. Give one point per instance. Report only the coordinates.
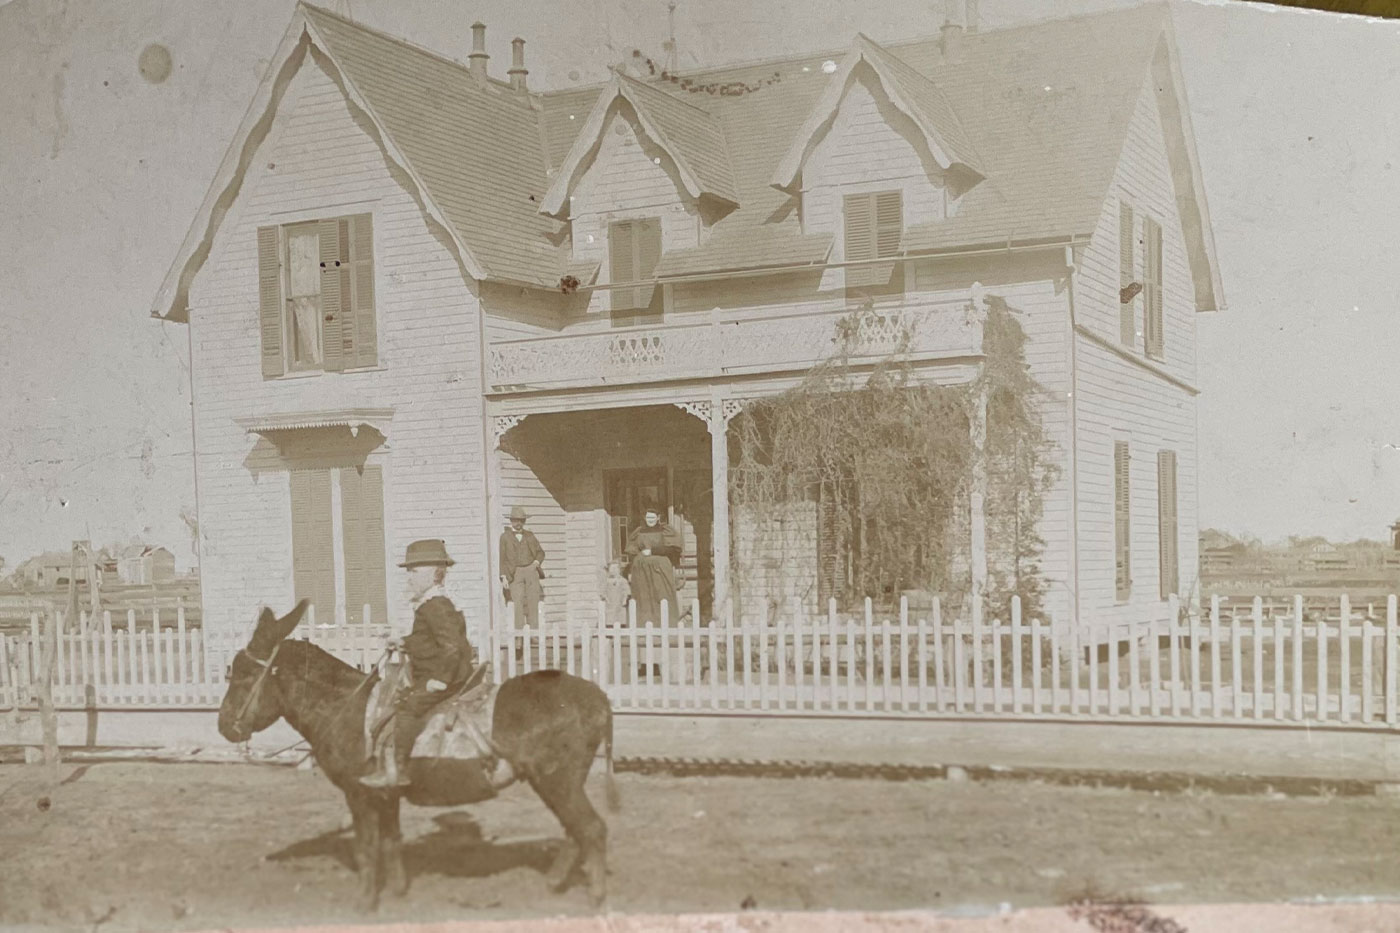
(970, 15)
(517, 64)
(477, 60)
(950, 40)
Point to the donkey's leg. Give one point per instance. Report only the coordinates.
(391, 844)
(366, 814)
(562, 791)
(548, 785)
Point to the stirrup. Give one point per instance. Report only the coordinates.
(381, 778)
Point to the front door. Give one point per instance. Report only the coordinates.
(626, 496)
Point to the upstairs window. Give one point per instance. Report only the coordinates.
(316, 296)
(874, 230)
(634, 249)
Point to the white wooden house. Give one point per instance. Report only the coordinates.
(419, 295)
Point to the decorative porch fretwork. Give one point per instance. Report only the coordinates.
(700, 409)
(731, 407)
(503, 423)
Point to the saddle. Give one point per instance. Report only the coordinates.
(458, 728)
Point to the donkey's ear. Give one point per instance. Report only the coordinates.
(263, 626)
(284, 626)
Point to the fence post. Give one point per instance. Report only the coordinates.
(48, 717)
(1298, 657)
(696, 656)
(1390, 659)
(1217, 692)
(1016, 658)
(1344, 646)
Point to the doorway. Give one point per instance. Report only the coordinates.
(626, 496)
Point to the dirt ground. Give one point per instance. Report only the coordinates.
(200, 846)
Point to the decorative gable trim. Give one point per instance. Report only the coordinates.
(702, 173)
(916, 96)
(172, 299)
(1185, 164)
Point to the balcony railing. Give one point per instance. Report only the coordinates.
(728, 346)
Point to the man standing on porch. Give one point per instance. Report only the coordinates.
(521, 556)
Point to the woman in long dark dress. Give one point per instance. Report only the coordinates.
(655, 550)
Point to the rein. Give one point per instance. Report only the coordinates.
(256, 692)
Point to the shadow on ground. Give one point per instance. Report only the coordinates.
(455, 849)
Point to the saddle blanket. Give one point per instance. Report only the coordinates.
(459, 728)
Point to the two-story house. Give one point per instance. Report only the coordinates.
(418, 295)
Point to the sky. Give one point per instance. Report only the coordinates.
(102, 168)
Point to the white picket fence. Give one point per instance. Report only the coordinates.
(103, 666)
(1283, 670)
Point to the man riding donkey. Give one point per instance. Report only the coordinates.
(440, 667)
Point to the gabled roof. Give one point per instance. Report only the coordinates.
(919, 98)
(1039, 112)
(1042, 110)
(687, 133)
(1065, 93)
(473, 151)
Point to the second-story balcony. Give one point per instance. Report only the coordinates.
(728, 344)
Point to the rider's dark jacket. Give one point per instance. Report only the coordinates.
(438, 646)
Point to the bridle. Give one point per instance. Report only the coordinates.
(256, 691)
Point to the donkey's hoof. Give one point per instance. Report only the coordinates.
(367, 903)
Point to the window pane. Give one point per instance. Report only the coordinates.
(306, 329)
(304, 247)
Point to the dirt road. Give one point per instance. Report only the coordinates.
(199, 846)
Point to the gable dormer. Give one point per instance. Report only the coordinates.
(648, 173)
(880, 151)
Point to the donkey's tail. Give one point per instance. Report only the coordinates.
(610, 783)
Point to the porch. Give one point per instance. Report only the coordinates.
(585, 478)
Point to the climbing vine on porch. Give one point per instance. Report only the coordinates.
(865, 476)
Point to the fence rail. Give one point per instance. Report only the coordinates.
(1290, 670)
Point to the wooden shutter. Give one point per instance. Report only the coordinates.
(332, 337)
(270, 304)
(363, 348)
(647, 241)
(889, 236)
(860, 239)
(1122, 526)
(1167, 523)
(1152, 287)
(622, 260)
(313, 541)
(362, 541)
(874, 230)
(1127, 250)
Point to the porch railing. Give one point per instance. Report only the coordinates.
(727, 345)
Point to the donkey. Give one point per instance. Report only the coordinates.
(547, 725)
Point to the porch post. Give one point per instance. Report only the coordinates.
(500, 425)
(978, 518)
(719, 491)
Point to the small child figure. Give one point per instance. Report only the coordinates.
(616, 592)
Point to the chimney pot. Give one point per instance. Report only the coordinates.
(517, 64)
(478, 57)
